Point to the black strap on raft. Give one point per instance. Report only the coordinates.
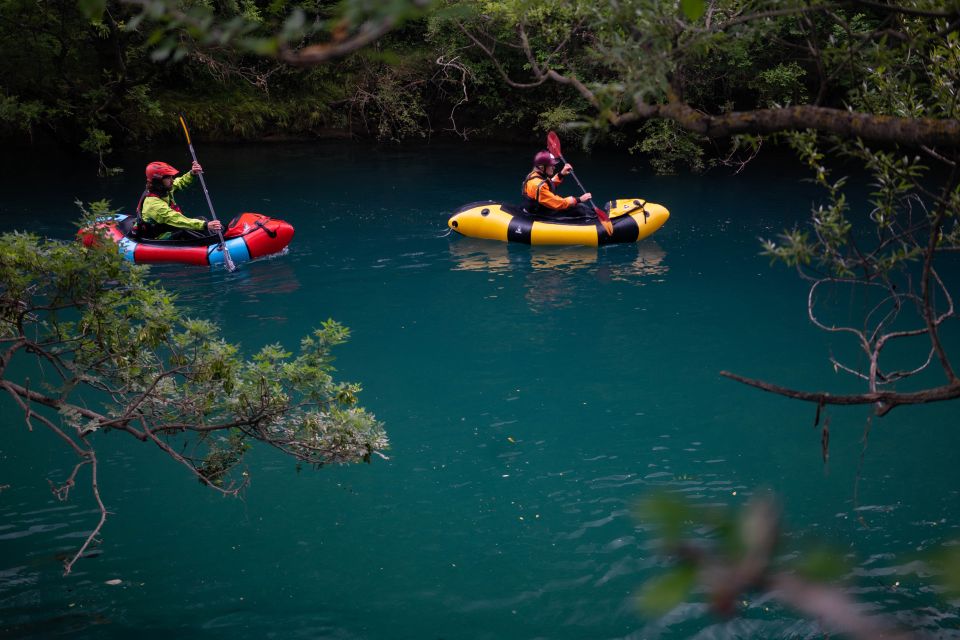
(640, 204)
(261, 224)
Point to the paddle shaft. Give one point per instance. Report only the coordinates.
(553, 144)
(600, 212)
(203, 183)
(580, 184)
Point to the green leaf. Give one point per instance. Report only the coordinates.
(693, 9)
(93, 9)
(261, 46)
(661, 594)
(134, 22)
(293, 25)
(161, 53)
(823, 565)
(948, 563)
(668, 513)
(385, 56)
(455, 12)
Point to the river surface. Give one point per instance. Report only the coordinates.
(532, 396)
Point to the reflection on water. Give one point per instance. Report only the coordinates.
(647, 262)
(256, 282)
(549, 271)
(470, 254)
(628, 262)
(550, 290)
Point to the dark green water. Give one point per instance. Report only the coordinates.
(531, 395)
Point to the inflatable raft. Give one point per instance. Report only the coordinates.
(248, 236)
(633, 219)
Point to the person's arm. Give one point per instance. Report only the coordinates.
(182, 182)
(540, 191)
(158, 211)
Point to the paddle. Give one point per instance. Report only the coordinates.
(553, 144)
(227, 260)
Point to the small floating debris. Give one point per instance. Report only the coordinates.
(114, 582)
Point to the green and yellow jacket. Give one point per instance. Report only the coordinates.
(160, 214)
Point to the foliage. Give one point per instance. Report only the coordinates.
(88, 75)
(730, 556)
(557, 117)
(117, 355)
(667, 146)
(99, 85)
(781, 85)
(98, 143)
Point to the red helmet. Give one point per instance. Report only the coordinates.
(159, 170)
(544, 158)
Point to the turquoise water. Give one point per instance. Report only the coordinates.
(532, 395)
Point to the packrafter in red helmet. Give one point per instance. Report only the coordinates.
(544, 159)
(158, 214)
(157, 170)
(538, 193)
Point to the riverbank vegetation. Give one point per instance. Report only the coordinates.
(103, 74)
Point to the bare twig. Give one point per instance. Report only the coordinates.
(95, 489)
(232, 490)
(449, 66)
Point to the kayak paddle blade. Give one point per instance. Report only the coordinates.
(553, 144)
(604, 220)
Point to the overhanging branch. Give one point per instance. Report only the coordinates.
(914, 132)
(884, 400)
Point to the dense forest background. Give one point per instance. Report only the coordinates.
(93, 78)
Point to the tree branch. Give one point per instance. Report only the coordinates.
(906, 10)
(928, 271)
(488, 51)
(884, 400)
(95, 489)
(340, 46)
(914, 132)
(230, 491)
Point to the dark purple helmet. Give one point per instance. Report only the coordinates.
(544, 158)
